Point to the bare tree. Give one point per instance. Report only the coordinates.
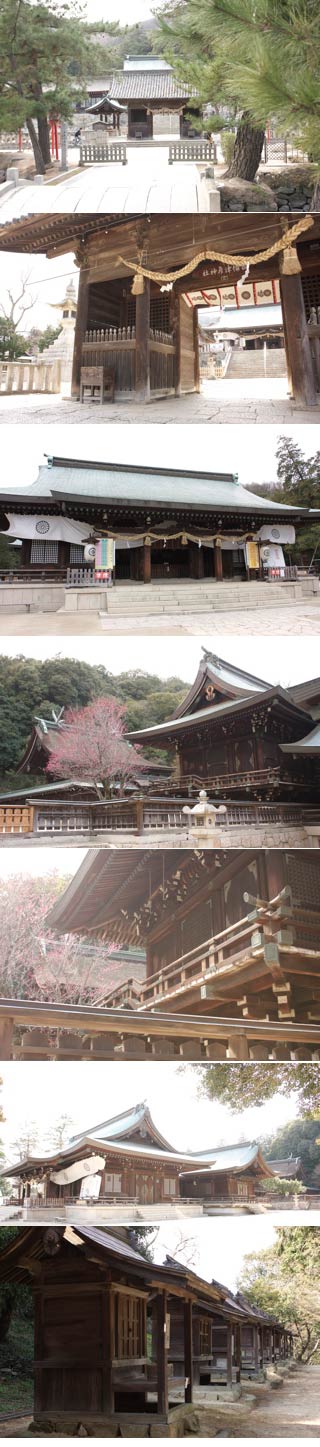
(17, 307)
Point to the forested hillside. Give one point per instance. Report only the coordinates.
(29, 687)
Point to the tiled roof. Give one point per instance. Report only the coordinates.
(148, 85)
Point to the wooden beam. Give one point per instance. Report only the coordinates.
(188, 1352)
(108, 1348)
(143, 344)
(238, 1351)
(162, 1356)
(6, 1037)
(297, 341)
(229, 1353)
(80, 329)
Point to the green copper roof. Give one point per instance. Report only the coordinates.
(71, 480)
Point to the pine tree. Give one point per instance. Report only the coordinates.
(47, 52)
(259, 57)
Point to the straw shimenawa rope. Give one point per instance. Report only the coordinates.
(286, 241)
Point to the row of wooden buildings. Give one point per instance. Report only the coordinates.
(120, 1339)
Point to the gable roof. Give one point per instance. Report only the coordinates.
(176, 726)
(225, 678)
(125, 1124)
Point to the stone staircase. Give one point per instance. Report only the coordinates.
(141, 600)
(249, 363)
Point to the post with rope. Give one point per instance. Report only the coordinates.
(297, 342)
(141, 290)
(80, 329)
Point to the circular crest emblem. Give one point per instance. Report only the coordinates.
(42, 526)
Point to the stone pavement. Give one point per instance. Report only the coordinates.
(239, 401)
(146, 184)
(297, 619)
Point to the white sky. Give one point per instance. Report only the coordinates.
(127, 12)
(43, 1091)
(219, 1246)
(248, 451)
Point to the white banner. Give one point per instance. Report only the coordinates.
(272, 557)
(78, 1171)
(277, 533)
(90, 1188)
(47, 529)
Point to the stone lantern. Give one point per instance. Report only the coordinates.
(202, 818)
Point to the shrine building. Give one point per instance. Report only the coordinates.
(126, 1159)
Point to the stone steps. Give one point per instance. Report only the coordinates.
(201, 598)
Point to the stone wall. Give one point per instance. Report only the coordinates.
(287, 189)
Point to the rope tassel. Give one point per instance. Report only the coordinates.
(285, 244)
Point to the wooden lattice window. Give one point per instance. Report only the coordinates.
(304, 878)
(204, 1336)
(43, 552)
(311, 292)
(130, 1328)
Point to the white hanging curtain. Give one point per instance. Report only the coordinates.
(78, 1171)
(47, 529)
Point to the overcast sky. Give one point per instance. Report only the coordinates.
(249, 451)
(41, 1092)
(127, 12)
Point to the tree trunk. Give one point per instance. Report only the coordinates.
(315, 203)
(247, 150)
(39, 161)
(44, 139)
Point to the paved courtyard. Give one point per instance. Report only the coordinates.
(146, 184)
(229, 400)
(261, 622)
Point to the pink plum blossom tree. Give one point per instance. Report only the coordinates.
(93, 746)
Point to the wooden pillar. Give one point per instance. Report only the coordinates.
(143, 343)
(196, 351)
(80, 330)
(6, 1037)
(108, 1348)
(229, 1354)
(238, 1352)
(139, 815)
(256, 1357)
(218, 570)
(238, 1048)
(297, 340)
(162, 1357)
(146, 563)
(188, 1352)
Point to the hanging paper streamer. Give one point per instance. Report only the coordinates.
(105, 559)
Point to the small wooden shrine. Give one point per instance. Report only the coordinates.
(127, 1159)
(155, 102)
(143, 278)
(121, 1340)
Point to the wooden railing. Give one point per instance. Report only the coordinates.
(97, 152)
(116, 348)
(30, 376)
(32, 1030)
(191, 151)
(16, 819)
(238, 942)
(142, 815)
